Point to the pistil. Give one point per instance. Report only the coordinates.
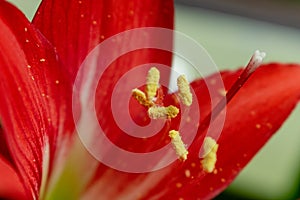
(253, 64)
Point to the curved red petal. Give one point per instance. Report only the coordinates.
(3, 147)
(10, 184)
(36, 97)
(253, 116)
(76, 27)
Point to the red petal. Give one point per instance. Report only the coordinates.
(253, 116)
(3, 147)
(10, 184)
(76, 27)
(34, 99)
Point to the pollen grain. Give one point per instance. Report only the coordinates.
(210, 155)
(161, 112)
(152, 83)
(178, 145)
(140, 96)
(184, 92)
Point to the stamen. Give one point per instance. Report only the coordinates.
(140, 96)
(161, 112)
(210, 155)
(184, 94)
(152, 83)
(178, 145)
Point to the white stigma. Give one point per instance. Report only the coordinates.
(256, 60)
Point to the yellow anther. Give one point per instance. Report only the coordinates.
(152, 83)
(184, 92)
(210, 155)
(172, 111)
(160, 112)
(178, 145)
(140, 96)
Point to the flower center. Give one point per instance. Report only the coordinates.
(152, 100)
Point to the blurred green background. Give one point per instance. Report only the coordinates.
(231, 31)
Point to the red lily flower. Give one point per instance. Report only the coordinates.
(40, 154)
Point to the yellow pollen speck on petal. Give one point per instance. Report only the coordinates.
(152, 82)
(160, 112)
(80, 2)
(178, 185)
(27, 41)
(184, 92)
(213, 81)
(25, 29)
(108, 16)
(223, 180)
(258, 126)
(42, 60)
(222, 92)
(94, 22)
(269, 125)
(210, 152)
(215, 171)
(140, 96)
(178, 145)
(57, 82)
(28, 66)
(82, 15)
(187, 173)
(19, 89)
